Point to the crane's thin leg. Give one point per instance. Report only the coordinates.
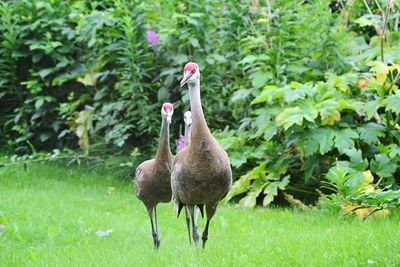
(153, 231)
(188, 224)
(210, 213)
(156, 222)
(205, 234)
(194, 226)
(197, 214)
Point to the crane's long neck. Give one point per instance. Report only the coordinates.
(164, 151)
(199, 124)
(187, 133)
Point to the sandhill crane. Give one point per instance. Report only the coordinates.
(187, 118)
(201, 172)
(153, 177)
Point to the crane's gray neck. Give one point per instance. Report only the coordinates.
(164, 151)
(187, 133)
(199, 124)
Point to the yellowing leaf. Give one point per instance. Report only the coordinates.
(89, 79)
(368, 177)
(361, 213)
(82, 124)
(381, 77)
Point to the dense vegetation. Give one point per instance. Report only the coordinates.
(303, 94)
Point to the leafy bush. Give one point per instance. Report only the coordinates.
(355, 193)
(295, 131)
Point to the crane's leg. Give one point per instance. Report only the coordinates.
(153, 231)
(210, 210)
(194, 226)
(188, 224)
(156, 222)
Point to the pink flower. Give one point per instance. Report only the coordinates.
(152, 37)
(180, 143)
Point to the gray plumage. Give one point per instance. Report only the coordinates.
(201, 172)
(153, 177)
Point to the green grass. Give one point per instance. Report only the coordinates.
(51, 215)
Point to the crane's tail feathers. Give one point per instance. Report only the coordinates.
(179, 210)
(201, 208)
(177, 205)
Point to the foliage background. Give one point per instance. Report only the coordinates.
(296, 91)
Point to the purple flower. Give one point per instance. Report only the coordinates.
(180, 143)
(152, 37)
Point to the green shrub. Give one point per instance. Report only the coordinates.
(295, 131)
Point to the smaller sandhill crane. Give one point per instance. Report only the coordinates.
(153, 177)
(187, 118)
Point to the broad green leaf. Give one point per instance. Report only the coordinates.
(268, 199)
(295, 91)
(355, 155)
(194, 42)
(310, 147)
(44, 136)
(240, 186)
(295, 115)
(319, 139)
(363, 22)
(237, 159)
(383, 166)
(260, 78)
(45, 72)
(89, 79)
(243, 184)
(370, 132)
(309, 111)
(269, 92)
(344, 139)
(394, 151)
(289, 117)
(371, 107)
(248, 59)
(249, 201)
(39, 102)
(392, 103)
(284, 182)
(329, 111)
(270, 132)
(325, 141)
(240, 94)
(309, 166)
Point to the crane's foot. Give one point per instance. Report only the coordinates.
(196, 240)
(205, 234)
(156, 241)
(204, 242)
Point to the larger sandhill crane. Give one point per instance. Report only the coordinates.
(201, 173)
(153, 177)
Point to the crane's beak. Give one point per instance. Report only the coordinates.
(169, 116)
(186, 77)
(188, 122)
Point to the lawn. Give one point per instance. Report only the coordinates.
(51, 215)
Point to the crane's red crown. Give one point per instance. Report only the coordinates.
(168, 106)
(191, 67)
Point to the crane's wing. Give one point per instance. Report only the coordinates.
(176, 169)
